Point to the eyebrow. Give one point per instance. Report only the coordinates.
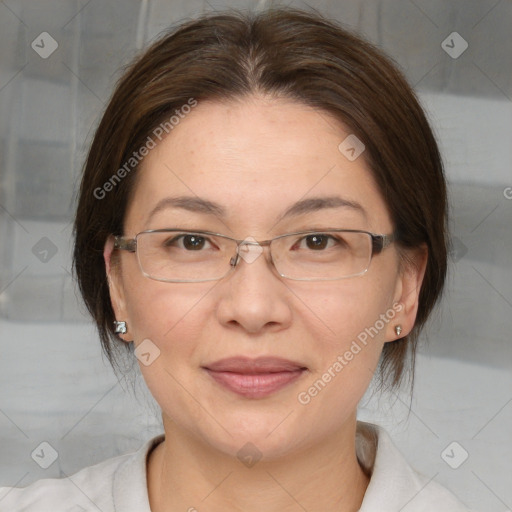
(314, 204)
(204, 206)
(189, 203)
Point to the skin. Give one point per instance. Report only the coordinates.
(256, 157)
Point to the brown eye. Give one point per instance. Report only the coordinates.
(193, 242)
(317, 241)
(190, 242)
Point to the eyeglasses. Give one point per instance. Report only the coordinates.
(180, 256)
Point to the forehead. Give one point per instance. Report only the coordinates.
(255, 158)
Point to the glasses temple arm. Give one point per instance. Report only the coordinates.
(125, 244)
(380, 242)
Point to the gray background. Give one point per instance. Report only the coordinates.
(55, 384)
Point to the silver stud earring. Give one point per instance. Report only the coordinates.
(120, 327)
(398, 330)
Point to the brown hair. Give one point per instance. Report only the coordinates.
(285, 53)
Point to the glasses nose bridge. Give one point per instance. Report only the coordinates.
(248, 241)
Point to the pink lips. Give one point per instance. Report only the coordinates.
(255, 378)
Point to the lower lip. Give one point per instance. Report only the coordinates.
(255, 385)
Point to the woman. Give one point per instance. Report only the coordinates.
(262, 220)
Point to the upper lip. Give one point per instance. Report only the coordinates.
(243, 364)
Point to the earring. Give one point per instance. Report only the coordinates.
(398, 330)
(120, 327)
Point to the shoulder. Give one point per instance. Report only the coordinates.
(90, 489)
(394, 484)
(92, 484)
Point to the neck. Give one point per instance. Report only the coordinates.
(185, 474)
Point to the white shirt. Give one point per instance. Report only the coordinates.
(119, 484)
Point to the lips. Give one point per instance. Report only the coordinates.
(247, 365)
(255, 378)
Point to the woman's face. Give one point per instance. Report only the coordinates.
(255, 159)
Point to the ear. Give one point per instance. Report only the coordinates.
(117, 297)
(407, 291)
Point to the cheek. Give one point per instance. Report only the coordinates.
(347, 324)
(173, 317)
(163, 311)
(340, 313)
(347, 342)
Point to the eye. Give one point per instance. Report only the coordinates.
(318, 241)
(189, 242)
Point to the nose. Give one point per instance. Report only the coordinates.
(253, 296)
